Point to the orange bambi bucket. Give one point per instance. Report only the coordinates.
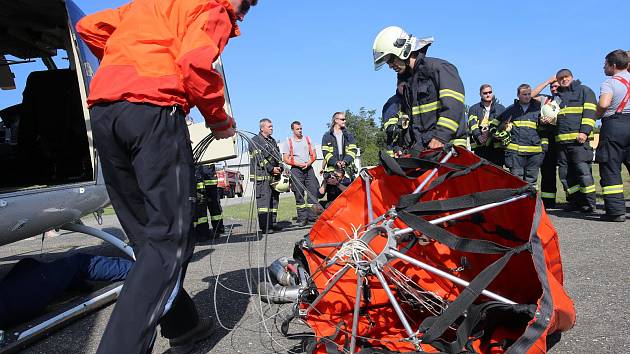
(508, 249)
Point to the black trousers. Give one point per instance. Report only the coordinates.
(548, 174)
(574, 170)
(524, 166)
(612, 151)
(146, 160)
(200, 220)
(304, 185)
(214, 206)
(267, 200)
(492, 154)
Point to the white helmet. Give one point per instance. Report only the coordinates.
(549, 112)
(282, 184)
(395, 41)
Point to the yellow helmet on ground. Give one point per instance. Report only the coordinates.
(395, 41)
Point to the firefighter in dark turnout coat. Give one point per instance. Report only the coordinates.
(524, 152)
(213, 201)
(264, 168)
(575, 124)
(339, 147)
(395, 126)
(200, 220)
(547, 131)
(432, 91)
(480, 117)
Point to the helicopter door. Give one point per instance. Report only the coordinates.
(47, 141)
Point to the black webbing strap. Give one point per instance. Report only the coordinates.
(490, 313)
(387, 351)
(468, 201)
(434, 327)
(422, 163)
(418, 164)
(449, 239)
(328, 341)
(410, 199)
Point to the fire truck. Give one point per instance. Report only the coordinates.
(230, 183)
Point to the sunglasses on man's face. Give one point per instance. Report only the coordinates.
(487, 93)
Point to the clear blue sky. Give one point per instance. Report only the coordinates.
(303, 60)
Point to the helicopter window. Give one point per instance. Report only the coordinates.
(43, 137)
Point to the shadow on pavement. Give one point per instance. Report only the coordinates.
(232, 300)
(573, 215)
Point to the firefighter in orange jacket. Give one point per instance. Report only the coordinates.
(155, 64)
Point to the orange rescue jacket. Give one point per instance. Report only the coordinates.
(161, 52)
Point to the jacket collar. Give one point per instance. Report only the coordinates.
(332, 131)
(492, 106)
(533, 103)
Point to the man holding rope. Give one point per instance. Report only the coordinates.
(155, 64)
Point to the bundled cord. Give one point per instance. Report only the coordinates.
(201, 147)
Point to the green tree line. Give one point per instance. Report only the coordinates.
(368, 133)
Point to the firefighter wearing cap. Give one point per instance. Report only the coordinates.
(264, 168)
(298, 152)
(613, 149)
(574, 125)
(481, 117)
(155, 65)
(432, 91)
(213, 201)
(524, 151)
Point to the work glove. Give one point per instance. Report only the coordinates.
(503, 137)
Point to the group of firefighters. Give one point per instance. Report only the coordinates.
(535, 133)
(293, 160)
(156, 64)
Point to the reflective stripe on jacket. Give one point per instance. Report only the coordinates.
(434, 100)
(161, 52)
(331, 152)
(577, 112)
(263, 157)
(396, 137)
(475, 116)
(525, 139)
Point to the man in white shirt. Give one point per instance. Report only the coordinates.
(298, 152)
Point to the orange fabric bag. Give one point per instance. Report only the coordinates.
(517, 247)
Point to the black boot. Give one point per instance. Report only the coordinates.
(186, 342)
(264, 221)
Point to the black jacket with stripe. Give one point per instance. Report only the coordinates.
(577, 112)
(524, 133)
(263, 155)
(331, 152)
(475, 116)
(433, 97)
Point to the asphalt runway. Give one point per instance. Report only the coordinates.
(595, 260)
